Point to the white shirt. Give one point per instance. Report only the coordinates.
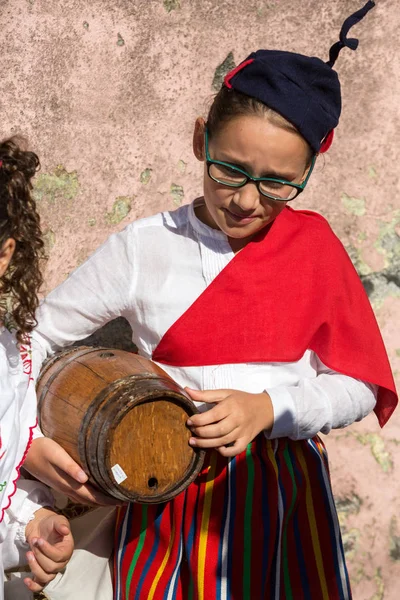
(19, 500)
(150, 273)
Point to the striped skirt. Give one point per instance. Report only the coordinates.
(262, 525)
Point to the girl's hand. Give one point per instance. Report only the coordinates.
(235, 420)
(50, 463)
(51, 542)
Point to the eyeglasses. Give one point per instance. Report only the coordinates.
(271, 187)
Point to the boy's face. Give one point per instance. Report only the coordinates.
(260, 148)
(6, 253)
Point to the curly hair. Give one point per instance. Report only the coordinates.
(20, 221)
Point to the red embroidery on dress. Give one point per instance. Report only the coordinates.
(18, 469)
(26, 356)
(1, 445)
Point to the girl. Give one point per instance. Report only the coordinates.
(27, 523)
(256, 308)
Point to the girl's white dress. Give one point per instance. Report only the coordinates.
(19, 499)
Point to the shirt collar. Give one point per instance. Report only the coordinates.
(201, 228)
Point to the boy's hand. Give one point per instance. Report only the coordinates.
(50, 463)
(50, 539)
(235, 420)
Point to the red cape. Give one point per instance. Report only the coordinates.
(292, 288)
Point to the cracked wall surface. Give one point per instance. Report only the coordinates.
(107, 94)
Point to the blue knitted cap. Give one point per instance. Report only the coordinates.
(303, 89)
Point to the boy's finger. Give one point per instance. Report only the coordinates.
(208, 395)
(49, 566)
(214, 430)
(232, 450)
(44, 550)
(214, 415)
(62, 527)
(46, 456)
(65, 463)
(41, 576)
(82, 494)
(33, 585)
(87, 494)
(213, 442)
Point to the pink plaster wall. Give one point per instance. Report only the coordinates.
(107, 93)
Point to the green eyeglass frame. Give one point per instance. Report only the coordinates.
(298, 187)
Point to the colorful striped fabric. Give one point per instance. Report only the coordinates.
(260, 526)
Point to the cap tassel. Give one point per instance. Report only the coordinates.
(351, 43)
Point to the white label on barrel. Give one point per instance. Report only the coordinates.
(119, 473)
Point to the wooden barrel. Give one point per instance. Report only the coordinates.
(123, 419)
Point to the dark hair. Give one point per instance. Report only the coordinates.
(229, 103)
(20, 220)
